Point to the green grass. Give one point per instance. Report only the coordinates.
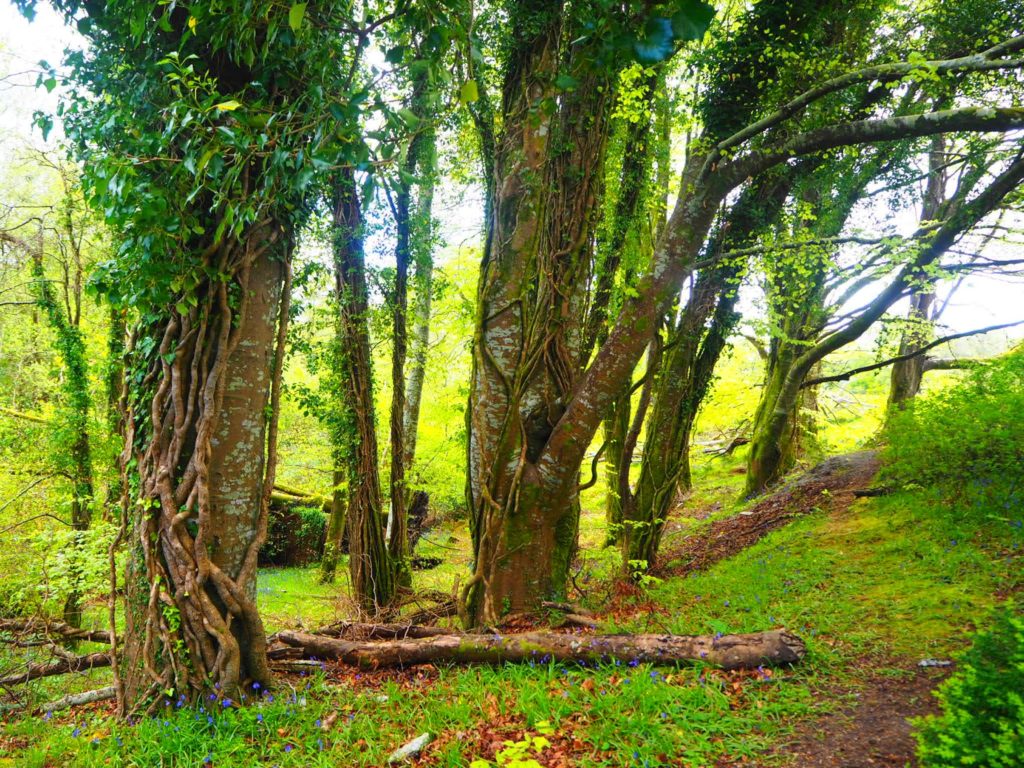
(293, 597)
(892, 580)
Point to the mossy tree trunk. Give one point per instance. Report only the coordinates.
(335, 527)
(528, 346)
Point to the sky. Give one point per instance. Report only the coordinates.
(981, 300)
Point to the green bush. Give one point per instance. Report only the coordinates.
(295, 536)
(968, 439)
(982, 720)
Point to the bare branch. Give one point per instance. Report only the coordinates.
(909, 356)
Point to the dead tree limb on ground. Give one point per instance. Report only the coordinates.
(726, 651)
(62, 667)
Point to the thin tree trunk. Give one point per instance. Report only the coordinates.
(423, 279)
(906, 375)
(370, 567)
(77, 406)
(335, 528)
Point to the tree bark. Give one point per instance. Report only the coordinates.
(528, 345)
(202, 432)
(772, 648)
(335, 529)
(370, 566)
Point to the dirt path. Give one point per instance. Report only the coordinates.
(872, 732)
(829, 486)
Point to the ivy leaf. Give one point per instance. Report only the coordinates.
(566, 82)
(657, 44)
(469, 92)
(296, 15)
(692, 19)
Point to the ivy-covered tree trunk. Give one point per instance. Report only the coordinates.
(679, 388)
(370, 566)
(528, 345)
(423, 279)
(202, 433)
(75, 411)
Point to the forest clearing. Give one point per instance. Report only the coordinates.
(512, 383)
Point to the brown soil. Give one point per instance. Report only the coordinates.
(873, 732)
(828, 486)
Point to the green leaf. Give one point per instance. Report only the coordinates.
(469, 92)
(228, 106)
(49, 84)
(296, 15)
(566, 82)
(692, 19)
(410, 118)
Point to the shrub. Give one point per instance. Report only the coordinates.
(969, 438)
(295, 536)
(982, 720)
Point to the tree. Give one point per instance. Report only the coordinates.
(535, 407)
(544, 176)
(202, 159)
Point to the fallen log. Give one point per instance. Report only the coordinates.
(78, 699)
(725, 651)
(37, 626)
(355, 630)
(62, 667)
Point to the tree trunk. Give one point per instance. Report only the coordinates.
(370, 567)
(202, 409)
(772, 648)
(906, 375)
(423, 279)
(528, 345)
(616, 428)
(687, 370)
(75, 415)
(397, 518)
(423, 256)
(335, 529)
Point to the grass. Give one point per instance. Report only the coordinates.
(294, 597)
(891, 580)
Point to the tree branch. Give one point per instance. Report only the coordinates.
(909, 356)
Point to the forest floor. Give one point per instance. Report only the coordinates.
(873, 585)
